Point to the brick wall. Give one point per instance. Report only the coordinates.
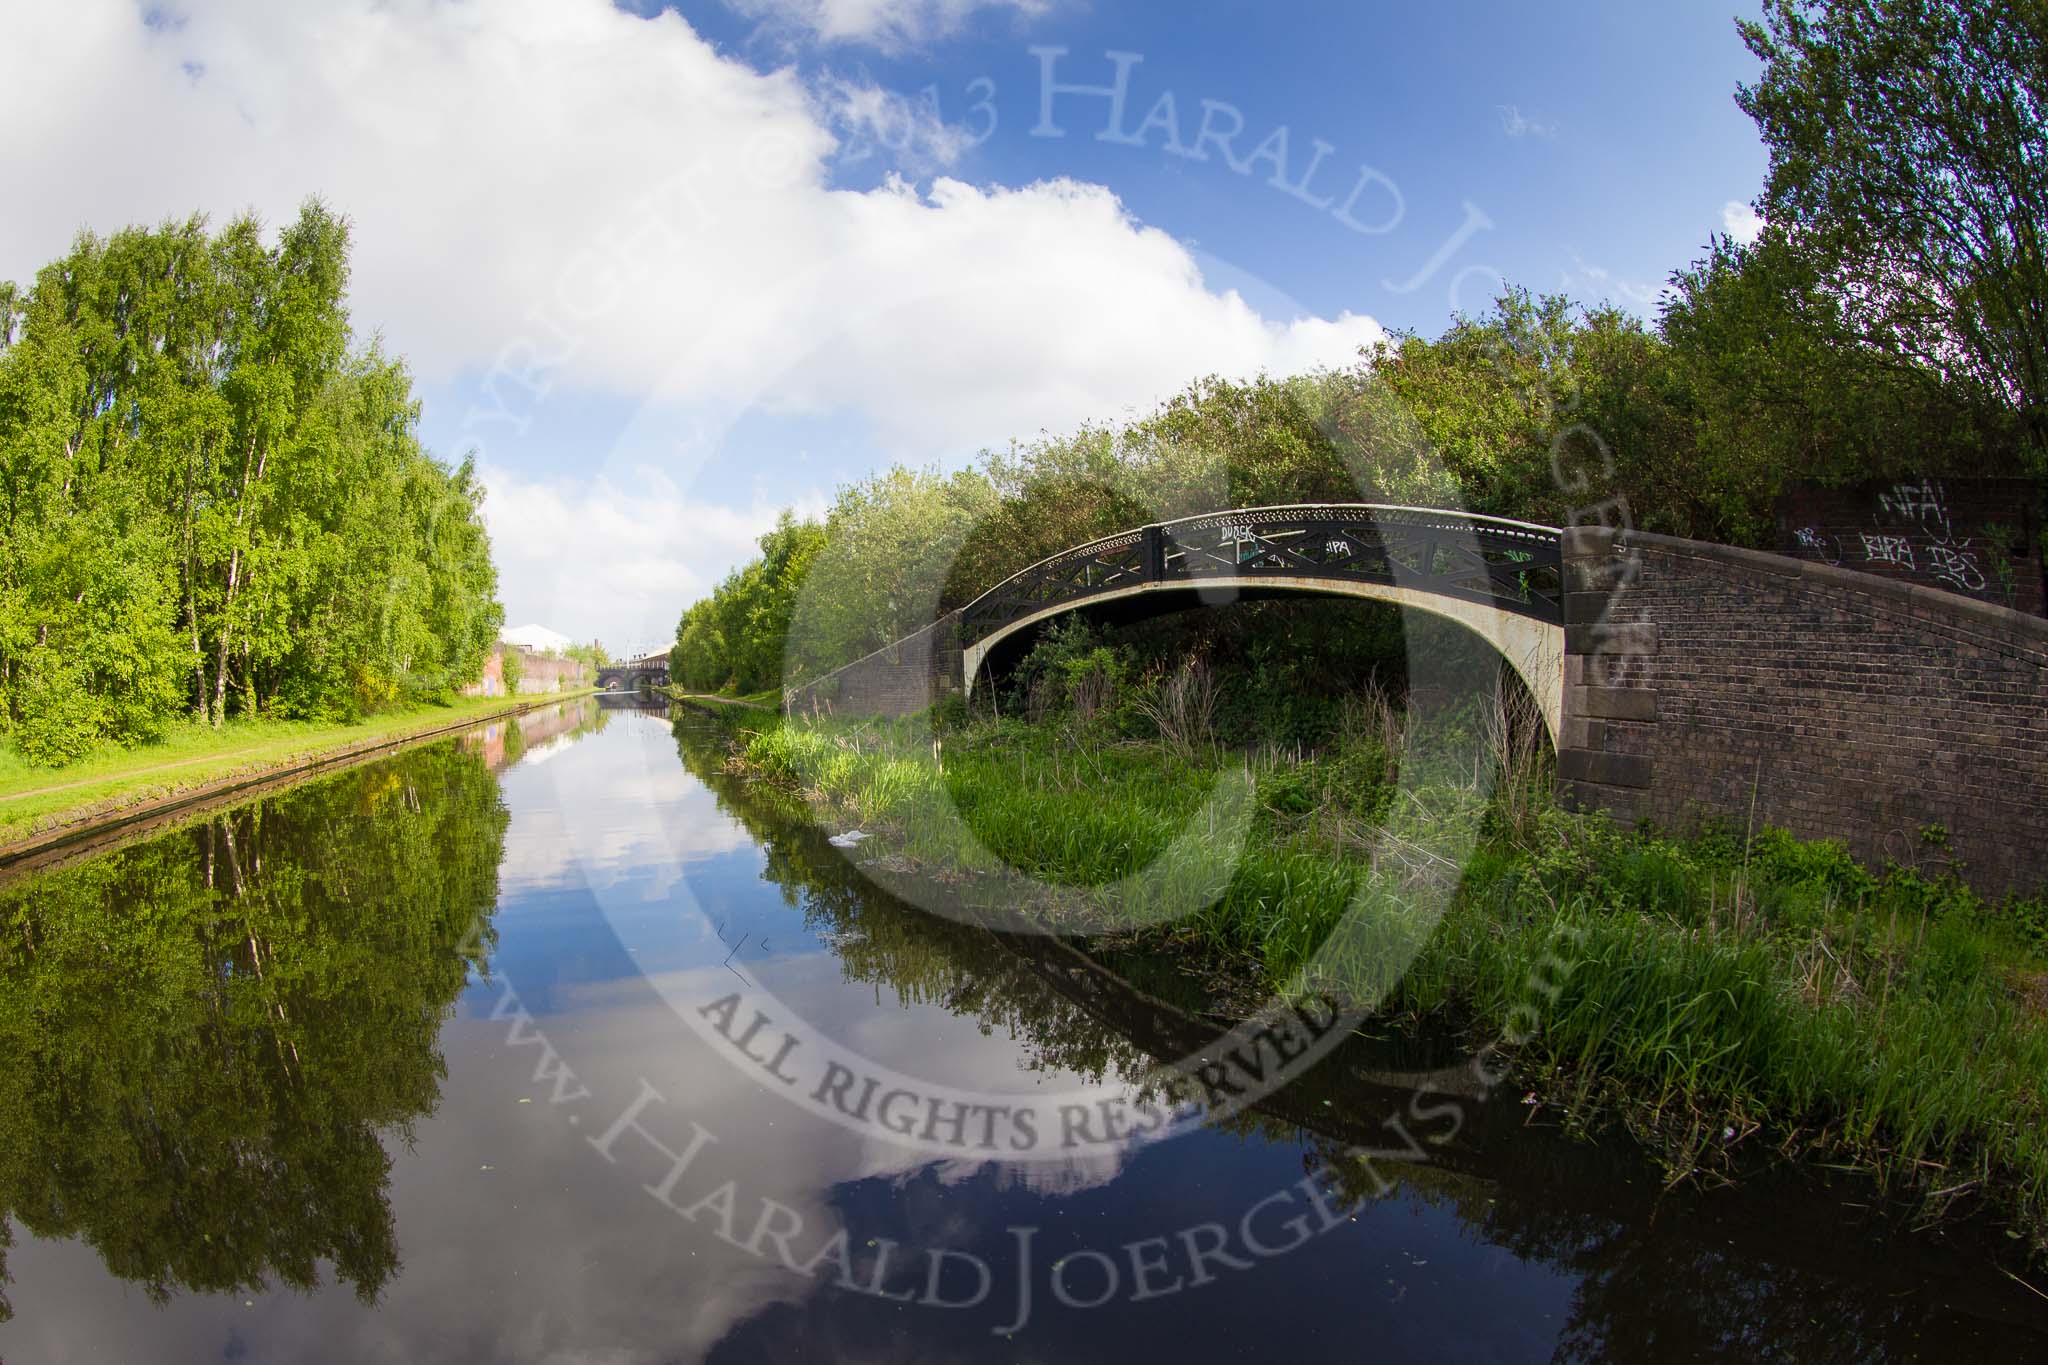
(1703, 681)
(896, 680)
(1977, 537)
(545, 673)
(539, 673)
(491, 683)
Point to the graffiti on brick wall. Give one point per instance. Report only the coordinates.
(1922, 505)
(1814, 544)
(1977, 537)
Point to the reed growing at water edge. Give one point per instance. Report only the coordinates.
(1732, 997)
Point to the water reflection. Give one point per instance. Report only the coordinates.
(227, 1072)
(921, 959)
(206, 1034)
(1790, 1267)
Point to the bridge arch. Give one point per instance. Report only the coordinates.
(1534, 649)
(651, 669)
(1500, 579)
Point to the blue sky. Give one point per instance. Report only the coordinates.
(668, 270)
(1629, 141)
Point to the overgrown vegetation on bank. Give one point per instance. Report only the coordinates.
(1729, 996)
(1729, 992)
(213, 497)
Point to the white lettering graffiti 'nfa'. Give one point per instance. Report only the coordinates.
(1924, 502)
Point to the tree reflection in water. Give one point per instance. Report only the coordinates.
(208, 1034)
(1787, 1269)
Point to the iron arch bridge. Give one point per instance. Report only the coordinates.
(650, 670)
(1682, 681)
(1500, 578)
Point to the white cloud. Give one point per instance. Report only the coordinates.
(1515, 123)
(615, 555)
(1741, 222)
(605, 202)
(962, 315)
(883, 23)
(556, 196)
(878, 121)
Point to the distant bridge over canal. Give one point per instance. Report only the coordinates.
(649, 670)
(1681, 681)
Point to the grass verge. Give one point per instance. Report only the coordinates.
(194, 756)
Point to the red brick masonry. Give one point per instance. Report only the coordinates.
(1700, 678)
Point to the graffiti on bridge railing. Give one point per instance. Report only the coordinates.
(1512, 565)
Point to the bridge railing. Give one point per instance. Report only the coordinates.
(1513, 565)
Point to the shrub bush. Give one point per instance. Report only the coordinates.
(61, 720)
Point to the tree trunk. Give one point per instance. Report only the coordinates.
(192, 601)
(220, 663)
(198, 656)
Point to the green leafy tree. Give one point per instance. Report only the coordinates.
(736, 638)
(592, 656)
(1537, 387)
(882, 571)
(787, 554)
(1778, 389)
(211, 503)
(1891, 320)
(699, 659)
(1909, 155)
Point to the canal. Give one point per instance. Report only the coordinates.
(558, 1043)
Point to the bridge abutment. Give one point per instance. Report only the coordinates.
(900, 679)
(1604, 742)
(1709, 683)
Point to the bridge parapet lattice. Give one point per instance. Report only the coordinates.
(1515, 566)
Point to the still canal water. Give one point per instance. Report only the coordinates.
(436, 1060)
